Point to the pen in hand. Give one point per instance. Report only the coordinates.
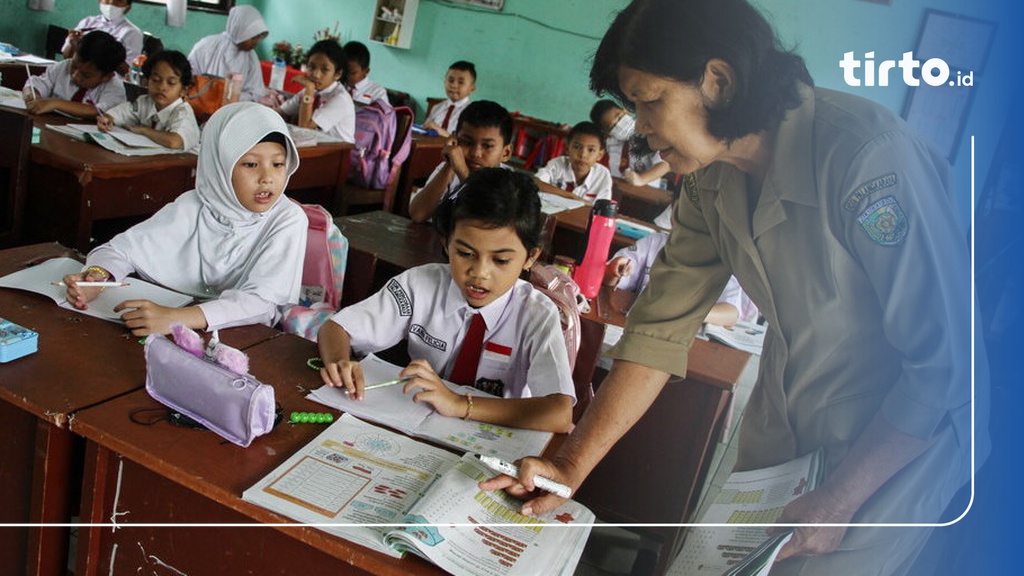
(94, 284)
(394, 382)
(542, 482)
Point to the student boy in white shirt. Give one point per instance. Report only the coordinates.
(459, 83)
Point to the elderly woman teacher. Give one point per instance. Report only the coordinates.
(836, 219)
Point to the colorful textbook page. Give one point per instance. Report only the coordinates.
(40, 279)
(395, 494)
(391, 407)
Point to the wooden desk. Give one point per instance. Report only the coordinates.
(167, 474)
(82, 361)
(398, 243)
(644, 203)
(75, 184)
(424, 156)
(571, 226)
(14, 75)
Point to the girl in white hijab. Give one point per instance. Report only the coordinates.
(232, 51)
(234, 242)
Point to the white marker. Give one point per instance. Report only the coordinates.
(94, 284)
(542, 482)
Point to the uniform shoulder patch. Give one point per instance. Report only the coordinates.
(691, 189)
(401, 298)
(885, 222)
(870, 187)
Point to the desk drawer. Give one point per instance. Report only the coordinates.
(136, 196)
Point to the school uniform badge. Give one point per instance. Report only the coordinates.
(885, 222)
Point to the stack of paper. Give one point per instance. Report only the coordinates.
(553, 203)
(117, 140)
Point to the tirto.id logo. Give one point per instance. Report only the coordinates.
(934, 71)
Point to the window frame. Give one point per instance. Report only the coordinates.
(215, 7)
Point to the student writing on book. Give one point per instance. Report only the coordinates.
(162, 115)
(234, 242)
(323, 104)
(82, 86)
(111, 20)
(578, 174)
(639, 168)
(483, 139)
(359, 86)
(837, 219)
(472, 321)
(459, 83)
(232, 51)
(630, 269)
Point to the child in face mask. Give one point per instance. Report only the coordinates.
(111, 20)
(618, 125)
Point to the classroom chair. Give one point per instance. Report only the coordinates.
(352, 195)
(55, 36)
(15, 141)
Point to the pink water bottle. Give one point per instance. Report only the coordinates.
(597, 241)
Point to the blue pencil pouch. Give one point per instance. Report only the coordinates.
(16, 341)
(631, 232)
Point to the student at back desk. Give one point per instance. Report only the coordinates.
(232, 51)
(483, 139)
(83, 86)
(638, 167)
(234, 242)
(362, 89)
(459, 83)
(111, 20)
(578, 174)
(472, 321)
(161, 114)
(324, 104)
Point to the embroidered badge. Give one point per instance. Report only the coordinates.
(866, 189)
(885, 222)
(401, 298)
(496, 353)
(690, 185)
(427, 338)
(493, 387)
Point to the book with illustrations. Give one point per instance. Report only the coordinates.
(745, 336)
(117, 140)
(751, 497)
(395, 494)
(391, 407)
(40, 279)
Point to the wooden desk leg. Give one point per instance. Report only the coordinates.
(16, 462)
(94, 484)
(51, 491)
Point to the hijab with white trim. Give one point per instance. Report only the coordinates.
(206, 242)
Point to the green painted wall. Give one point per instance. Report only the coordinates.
(534, 55)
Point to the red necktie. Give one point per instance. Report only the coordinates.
(624, 158)
(468, 360)
(448, 116)
(316, 102)
(79, 95)
(569, 187)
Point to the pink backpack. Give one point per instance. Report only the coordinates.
(323, 274)
(561, 289)
(372, 161)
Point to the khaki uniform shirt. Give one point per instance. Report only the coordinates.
(854, 255)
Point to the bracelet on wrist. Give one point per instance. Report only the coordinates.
(469, 406)
(98, 270)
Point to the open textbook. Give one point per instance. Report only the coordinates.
(117, 140)
(553, 203)
(752, 497)
(40, 278)
(745, 336)
(391, 407)
(395, 495)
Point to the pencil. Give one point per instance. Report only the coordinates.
(94, 284)
(28, 76)
(401, 380)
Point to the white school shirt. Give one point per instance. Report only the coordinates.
(596, 186)
(455, 182)
(56, 83)
(643, 254)
(440, 110)
(245, 265)
(367, 91)
(177, 117)
(336, 114)
(523, 344)
(128, 34)
(638, 164)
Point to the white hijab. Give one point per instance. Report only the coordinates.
(206, 243)
(219, 55)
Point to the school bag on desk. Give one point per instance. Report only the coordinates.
(323, 275)
(206, 95)
(371, 157)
